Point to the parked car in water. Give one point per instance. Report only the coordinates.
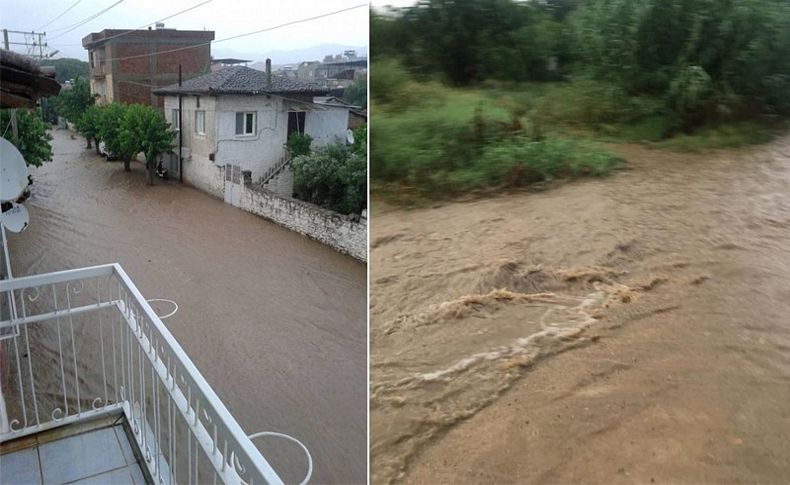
(103, 151)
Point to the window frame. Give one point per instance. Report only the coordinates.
(244, 132)
(203, 113)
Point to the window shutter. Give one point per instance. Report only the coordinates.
(239, 123)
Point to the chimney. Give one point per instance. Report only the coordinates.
(268, 73)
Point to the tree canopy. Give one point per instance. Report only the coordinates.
(703, 57)
(145, 130)
(32, 139)
(71, 103)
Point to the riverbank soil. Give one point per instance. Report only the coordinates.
(274, 321)
(629, 329)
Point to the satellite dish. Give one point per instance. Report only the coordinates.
(16, 218)
(13, 172)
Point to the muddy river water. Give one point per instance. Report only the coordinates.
(628, 329)
(275, 322)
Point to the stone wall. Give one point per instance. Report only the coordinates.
(331, 228)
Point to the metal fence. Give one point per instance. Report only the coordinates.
(83, 343)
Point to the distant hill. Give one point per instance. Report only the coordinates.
(67, 68)
(280, 57)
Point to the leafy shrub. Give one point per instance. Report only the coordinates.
(298, 144)
(590, 103)
(333, 177)
(360, 144)
(32, 139)
(521, 161)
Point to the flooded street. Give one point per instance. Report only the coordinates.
(634, 328)
(274, 321)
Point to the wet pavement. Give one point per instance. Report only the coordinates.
(275, 322)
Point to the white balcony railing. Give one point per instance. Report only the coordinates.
(83, 343)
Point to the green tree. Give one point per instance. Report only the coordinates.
(109, 130)
(73, 102)
(67, 68)
(357, 93)
(707, 58)
(32, 138)
(88, 125)
(144, 129)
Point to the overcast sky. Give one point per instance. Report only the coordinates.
(226, 17)
(392, 3)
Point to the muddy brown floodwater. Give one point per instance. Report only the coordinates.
(275, 322)
(628, 329)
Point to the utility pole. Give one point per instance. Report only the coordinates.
(34, 42)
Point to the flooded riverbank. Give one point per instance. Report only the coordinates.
(627, 329)
(275, 322)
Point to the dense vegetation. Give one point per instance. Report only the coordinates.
(334, 176)
(357, 93)
(480, 93)
(125, 130)
(67, 69)
(143, 129)
(71, 103)
(31, 139)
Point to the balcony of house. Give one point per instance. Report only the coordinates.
(95, 389)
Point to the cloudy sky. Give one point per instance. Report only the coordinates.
(226, 17)
(392, 3)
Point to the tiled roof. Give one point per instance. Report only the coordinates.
(241, 80)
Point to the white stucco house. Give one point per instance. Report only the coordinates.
(238, 119)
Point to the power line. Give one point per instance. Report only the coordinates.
(150, 23)
(85, 21)
(267, 29)
(61, 15)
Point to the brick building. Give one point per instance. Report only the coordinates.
(122, 68)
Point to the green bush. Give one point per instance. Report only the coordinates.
(298, 144)
(360, 144)
(521, 161)
(32, 138)
(333, 177)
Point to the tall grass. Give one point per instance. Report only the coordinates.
(450, 141)
(435, 140)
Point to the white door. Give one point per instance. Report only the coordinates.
(233, 185)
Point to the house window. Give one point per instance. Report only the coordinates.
(200, 122)
(175, 120)
(245, 123)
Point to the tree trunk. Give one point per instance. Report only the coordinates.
(126, 164)
(96, 146)
(150, 165)
(89, 143)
